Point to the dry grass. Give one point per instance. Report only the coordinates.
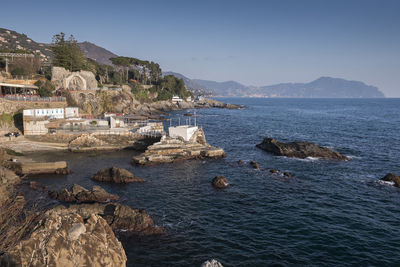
(16, 223)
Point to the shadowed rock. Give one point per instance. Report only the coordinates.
(37, 186)
(80, 194)
(299, 149)
(116, 175)
(391, 177)
(287, 174)
(220, 182)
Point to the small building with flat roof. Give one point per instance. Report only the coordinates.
(184, 131)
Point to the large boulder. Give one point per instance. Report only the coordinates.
(390, 177)
(220, 182)
(299, 149)
(121, 218)
(116, 175)
(67, 240)
(80, 194)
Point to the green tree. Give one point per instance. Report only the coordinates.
(123, 63)
(170, 86)
(46, 88)
(67, 53)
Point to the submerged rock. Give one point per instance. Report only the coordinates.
(212, 263)
(254, 164)
(299, 149)
(116, 175)
(37, 186)
(68, 240)
(391, 177)
(287, 174)
(174, 149)
(220, 182)
(80, 194)
(121, 218)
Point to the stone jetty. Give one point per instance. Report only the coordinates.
(171, 149)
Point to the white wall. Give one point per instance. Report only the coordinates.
(35, 127)
(71, 112)
(186, 132)
(57, 113)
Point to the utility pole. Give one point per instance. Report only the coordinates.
(7, 65)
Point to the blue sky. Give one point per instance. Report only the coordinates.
(252, 42)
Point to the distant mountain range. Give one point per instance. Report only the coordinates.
(324, 87)
(100, 54)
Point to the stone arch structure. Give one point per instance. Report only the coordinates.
(75, 82)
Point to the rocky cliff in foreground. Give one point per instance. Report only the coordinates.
(74, 235)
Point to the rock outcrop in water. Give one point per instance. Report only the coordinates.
(254, 164)
(116, 175)
(174, 149)
(68, 240)
(80, 194)
(121, 218)
(299, 149)
(390, 177)
(220, 182)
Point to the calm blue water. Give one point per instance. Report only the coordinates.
(330, 214)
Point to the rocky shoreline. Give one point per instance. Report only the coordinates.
(81, 234)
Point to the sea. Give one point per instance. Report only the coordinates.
(330, 213)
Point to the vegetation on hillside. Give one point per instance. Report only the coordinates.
(67, 53)
(144, 77)
(170, 86)
(46, 88)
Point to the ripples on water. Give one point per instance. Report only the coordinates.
(330, 213)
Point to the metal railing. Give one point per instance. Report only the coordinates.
(28, 98)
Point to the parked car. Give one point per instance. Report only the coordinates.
(16, 134)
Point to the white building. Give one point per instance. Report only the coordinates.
(52, 113)
(176, 99)
(184, 131)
